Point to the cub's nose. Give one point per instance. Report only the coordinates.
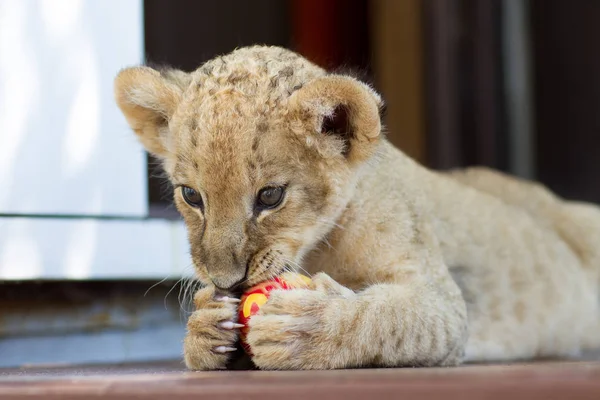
(226, 284)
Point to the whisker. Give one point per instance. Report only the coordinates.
(180, 283)
(187, 292)
(298, 266)
(185, 282)
(170, 290)
(331, 222)
(156, 284)
(326, 241)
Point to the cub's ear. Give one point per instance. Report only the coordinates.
(344, 109)
(148, 99)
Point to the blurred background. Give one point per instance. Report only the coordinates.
(94, 262)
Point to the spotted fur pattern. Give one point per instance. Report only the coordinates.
(411, 267)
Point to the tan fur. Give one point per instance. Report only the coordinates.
(411, 267)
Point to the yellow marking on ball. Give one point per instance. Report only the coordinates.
(255, 298)
(305, 279)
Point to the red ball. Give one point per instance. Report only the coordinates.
(258, 295)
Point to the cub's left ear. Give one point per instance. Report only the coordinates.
(344, 109)
(148, 98)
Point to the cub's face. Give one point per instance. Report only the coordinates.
(263, 149)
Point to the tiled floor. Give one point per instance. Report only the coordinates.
(548, 380)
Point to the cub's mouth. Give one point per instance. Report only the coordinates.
(238, 290)
(235, 292)
(264, 265)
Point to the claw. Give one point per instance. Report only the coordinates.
(230, 325)
(224, 349)
(227, 299)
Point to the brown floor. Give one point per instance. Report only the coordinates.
(548, 380)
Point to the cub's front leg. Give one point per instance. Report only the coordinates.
(211, 331)
(410, 324)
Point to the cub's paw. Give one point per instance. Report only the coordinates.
(212, 331)
(301, 329)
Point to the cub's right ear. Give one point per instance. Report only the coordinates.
(148, 100)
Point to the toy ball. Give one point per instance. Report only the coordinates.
(258, 295)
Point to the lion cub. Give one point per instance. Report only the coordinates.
(278, 164)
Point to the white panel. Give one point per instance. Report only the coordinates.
(49, 248)
(64, 146)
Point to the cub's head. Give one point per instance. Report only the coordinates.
(263, 149)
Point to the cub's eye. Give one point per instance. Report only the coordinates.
(270, 197)
(192, 197)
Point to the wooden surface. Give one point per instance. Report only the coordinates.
(553, 380)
